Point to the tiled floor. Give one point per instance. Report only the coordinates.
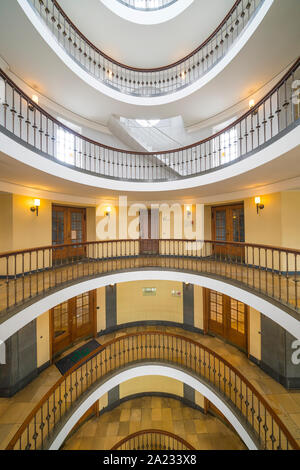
(203, 432)
(285, 403)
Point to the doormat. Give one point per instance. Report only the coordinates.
(71, 359)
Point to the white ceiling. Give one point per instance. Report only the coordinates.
(274, 45)
(146, 46)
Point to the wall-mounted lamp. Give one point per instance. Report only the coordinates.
(35, 99)
(258, 204)
(36, 206)
(188, 210)
(107, 211)
(251, 106)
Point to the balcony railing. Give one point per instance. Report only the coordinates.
(147, 5)
(146, 82)
(30, 274)
(152, 439)
(275, 114)
(155, 347)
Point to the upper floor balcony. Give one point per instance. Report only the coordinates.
(148, 5)
(147, 12)
(32, 136)
(145, 86)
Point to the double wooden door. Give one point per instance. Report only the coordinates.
(149, 231)
(228, 226)
(73, 320)
(226, 317)
(68, 227)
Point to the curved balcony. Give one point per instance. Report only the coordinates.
(120, 80)
(209, 160)
(152, 439)
(147, 5)
(37, 279)
(152, 353)
(147, 12)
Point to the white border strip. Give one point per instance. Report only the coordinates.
(160, 370)
(26, 315)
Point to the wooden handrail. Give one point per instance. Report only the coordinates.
(159, 333)
(153, 431)
(163, 152)
(138, 69)
(183, 240)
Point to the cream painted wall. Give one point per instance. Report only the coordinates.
(133, 306)
(43, 339)
(254, 333)
(90, 224)
(101, 309)
(103, 402)
(151, 384)
(198, 307)
(199, 399)
(28, 229)
(290, 219)
(265, 227)
(6, 222)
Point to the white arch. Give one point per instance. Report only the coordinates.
(267, 308)
(147, 17)
(146, 370)
(49, 38)
(281, 148)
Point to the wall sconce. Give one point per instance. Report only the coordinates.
(251, 106)
(35, 99)
(107, 211)
(258, 204)
(188, 210)
(36, 206)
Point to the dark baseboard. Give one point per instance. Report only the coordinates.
(44, 367)
(114, 328)
(8, 392)
(290, 383)
(254, 360)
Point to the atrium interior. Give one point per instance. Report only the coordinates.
(149, 225)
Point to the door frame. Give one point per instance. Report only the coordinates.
(93, 306)
(206, 330)
(69, 252)
(223, 249)
(149, 245)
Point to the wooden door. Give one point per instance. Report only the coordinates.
(149, 228)
(73, 320)
(68, 227)
(226, 317)
(228, 226)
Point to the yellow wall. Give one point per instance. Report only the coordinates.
(254, 333)
(290, 219)
(151, 384)
(198, 307)
(265, 227)
(29, 230)
(6, 222)
(43, 339)
(101, 310)
(133, 306)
